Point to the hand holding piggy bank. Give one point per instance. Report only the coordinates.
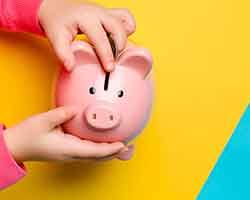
(111, 106)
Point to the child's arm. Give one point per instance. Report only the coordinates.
(20, 15)
(10, 171)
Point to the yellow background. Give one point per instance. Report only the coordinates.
(202, 75)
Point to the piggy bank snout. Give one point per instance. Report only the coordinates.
(102, 117)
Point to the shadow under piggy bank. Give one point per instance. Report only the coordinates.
(71, 173)
(68, 176)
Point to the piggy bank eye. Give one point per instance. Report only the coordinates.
(120, 93)
(92, 90)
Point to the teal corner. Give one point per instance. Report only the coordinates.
(230, 178)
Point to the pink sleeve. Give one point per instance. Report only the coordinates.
(20, 16)
(10, 171)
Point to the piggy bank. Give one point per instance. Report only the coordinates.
(111, 106)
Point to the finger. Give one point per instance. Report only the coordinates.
(99, 150)
(56, 116)
(98, 37)
(126, 154)
(61, 44)
(118, 33)
(127, 19)
(80, 149)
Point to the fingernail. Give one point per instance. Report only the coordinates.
(72, 109)
(66, 65)
(69, 64)
(110, 67)
(125, 149)
(120, 145)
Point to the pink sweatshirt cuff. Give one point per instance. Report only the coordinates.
(10, 171)
(20, 16)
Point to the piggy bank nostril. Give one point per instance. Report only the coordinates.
(101, 117)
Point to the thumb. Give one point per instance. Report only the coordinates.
(57, 116)
(126, 18)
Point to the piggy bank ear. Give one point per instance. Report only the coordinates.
(138, 59)
(84, 53)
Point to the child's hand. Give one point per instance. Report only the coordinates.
(62, 20)
(39, 138)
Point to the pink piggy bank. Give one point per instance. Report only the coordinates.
(111, 107)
